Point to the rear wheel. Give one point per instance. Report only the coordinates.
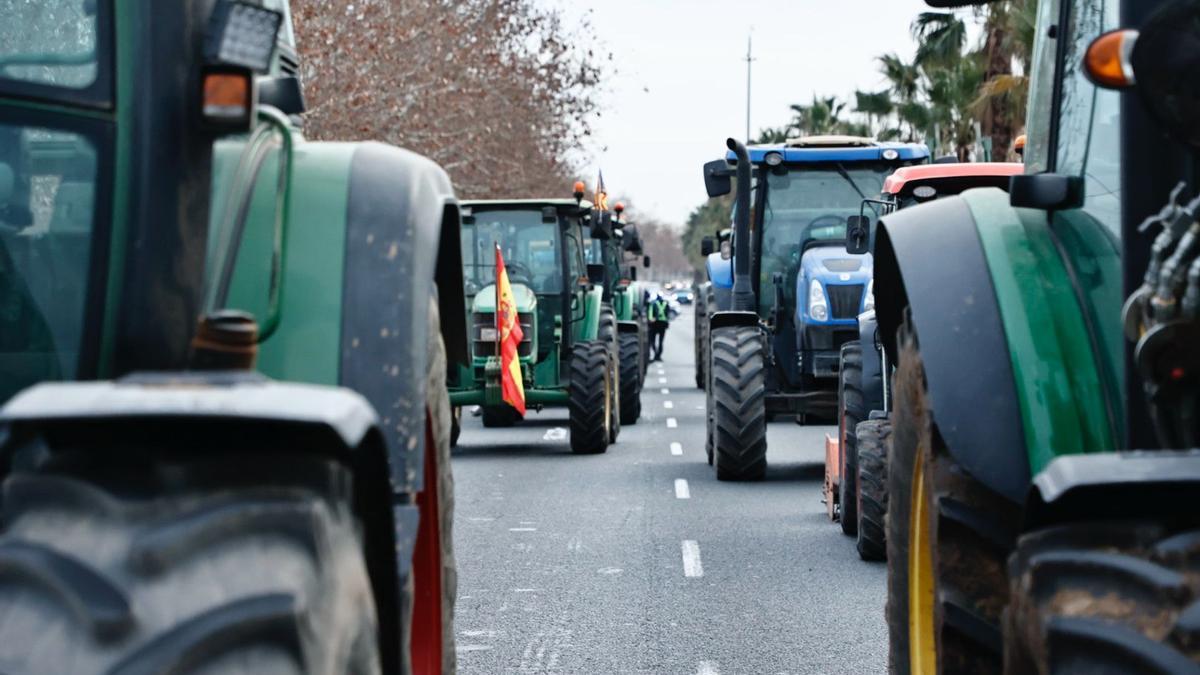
(872, 438)
(1104, 597)
(590, 397)
(948, 537)
(850, 413)
(630, 378)
(455, 425)
(499, 416)
(738, 394)
(607, 333)
(153, 566)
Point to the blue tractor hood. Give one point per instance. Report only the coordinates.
(833, 266)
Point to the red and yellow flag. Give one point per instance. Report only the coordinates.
(508, 336)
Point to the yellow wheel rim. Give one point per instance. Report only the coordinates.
(922, 649)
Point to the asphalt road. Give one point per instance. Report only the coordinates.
(639, 561)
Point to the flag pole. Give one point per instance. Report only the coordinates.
(496, 314)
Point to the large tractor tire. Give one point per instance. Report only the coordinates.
(630, 379)
(434, 568)
(499, 416)
(873, 438)
(608, 334)
(157, 566)
(850, 413)
(590, 397)
(948, 537)
(1104, 597)
(738, 394)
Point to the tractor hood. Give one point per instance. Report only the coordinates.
(485, 300)
(831, 264)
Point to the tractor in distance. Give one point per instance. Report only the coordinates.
(856, 465)
(712, 293)
(1043, 472)
(795, 294)
(168, 507)
(625, 298)
(568, 355)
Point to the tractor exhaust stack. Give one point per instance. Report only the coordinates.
(743, 291)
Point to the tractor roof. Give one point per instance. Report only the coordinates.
(520, 203)
(958, 177)
(812, 149)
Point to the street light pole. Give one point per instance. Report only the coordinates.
(749, 60)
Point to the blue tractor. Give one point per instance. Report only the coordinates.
(772, 345)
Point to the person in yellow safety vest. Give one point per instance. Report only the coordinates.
(658, 324)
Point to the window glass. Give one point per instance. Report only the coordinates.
(1089, 129)
(49, 42)
(47, 198)
(531, 250)
(808, 205)
(1041, 100)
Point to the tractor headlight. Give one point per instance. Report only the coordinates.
(818, 306)
(773, 159)
(869, 300)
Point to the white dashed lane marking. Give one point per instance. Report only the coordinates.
(671, 423)
(691, 559)
(522, 529)
(668, 405)
(681, 489)
(676, 448)
(666, 391)
(708, 668)
(662, 380)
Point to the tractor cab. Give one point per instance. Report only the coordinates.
(808, 288)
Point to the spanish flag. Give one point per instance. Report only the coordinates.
(508, 336)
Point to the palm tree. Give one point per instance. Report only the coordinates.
(905, 82)
(1002, 98)
(877, 106)
(940, 38)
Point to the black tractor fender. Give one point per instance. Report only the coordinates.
(402, 248)
(731, 318)
(1114, 485)
(872, 365)
(930, 261)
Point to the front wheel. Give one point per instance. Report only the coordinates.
(850, 413)
(590, 397)
(948, 539)
(871, 477)
(738, 392)
(630, 378)
(1104, 597)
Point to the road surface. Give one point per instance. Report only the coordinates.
(639, 561)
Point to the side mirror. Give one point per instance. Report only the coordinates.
(858, 235)
(645, 261)
(630, 240)
(602, 227)
(633, 272)
(595, 274)
(707, 246)
(1046, 191)
(718, 178)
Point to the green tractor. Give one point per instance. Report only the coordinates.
(569, 352)
(626, 298)
(1043, 499)
(267, 488)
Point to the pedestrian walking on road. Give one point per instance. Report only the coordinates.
(659, 320)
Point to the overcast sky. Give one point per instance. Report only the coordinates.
(680, 86)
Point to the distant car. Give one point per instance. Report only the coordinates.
(684, 297)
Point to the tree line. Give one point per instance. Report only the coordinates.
(501, 93)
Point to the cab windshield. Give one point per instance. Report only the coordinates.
(50, 43)
(532, 250)
(807, 205)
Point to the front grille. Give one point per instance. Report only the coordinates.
(844, 300)
(486, 348)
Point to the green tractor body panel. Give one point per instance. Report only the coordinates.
(544, 260)
(1062, 382)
